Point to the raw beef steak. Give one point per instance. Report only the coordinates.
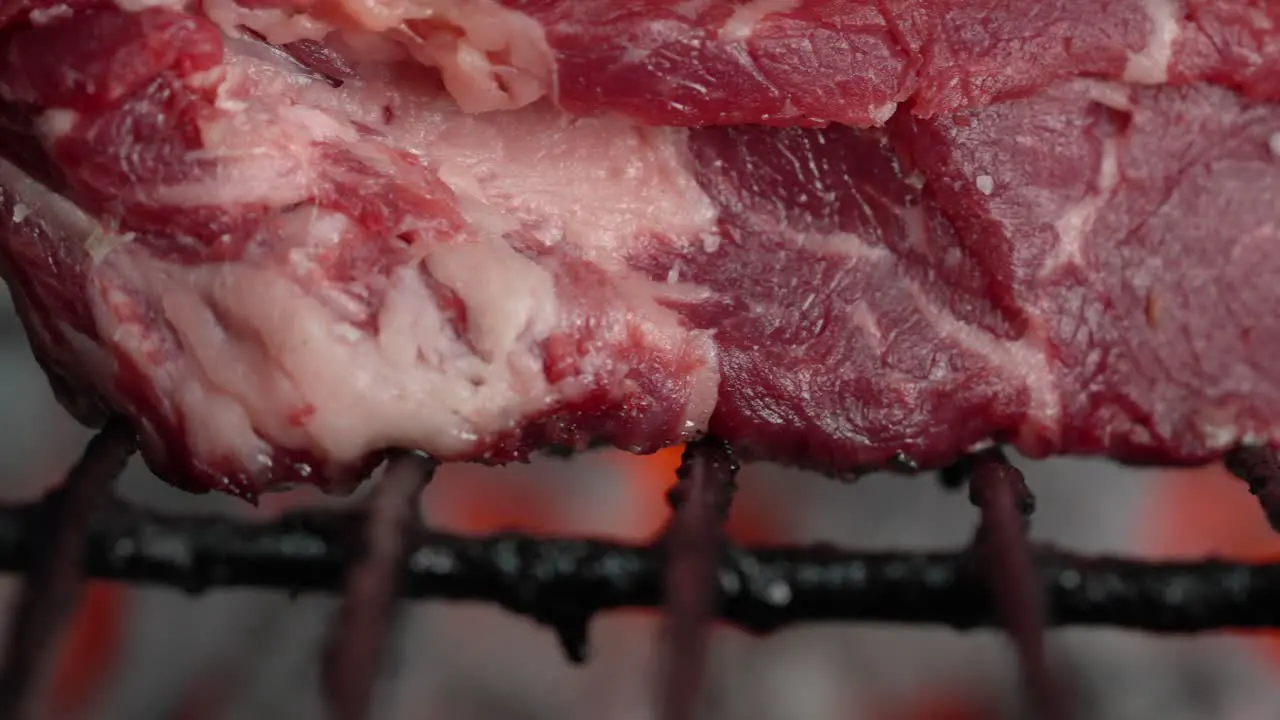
(284, 237)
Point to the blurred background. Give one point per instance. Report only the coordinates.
(138, 653)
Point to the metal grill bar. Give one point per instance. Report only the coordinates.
(557, 581)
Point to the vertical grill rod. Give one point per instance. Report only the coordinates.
(1000, 491)
(693, 545)
(353, 657)
(57, 537)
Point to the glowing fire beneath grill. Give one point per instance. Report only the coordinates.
(1195, 513)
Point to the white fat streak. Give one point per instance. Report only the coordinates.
(520, 301)
(260, 159)
(225, 429)
(1219, 437)
(1024, 361)
(845, 245)
(1074, 225)
(867, 320)
(56, 122)
(256, 344)
(277, 26)
(101, 244)
(50, 15)
(1115, 95)
(882, 114)
(1258, 17)
(598, 183)
(1221, 428)
(986, 184)
(468, 62)
(742, 24)
(1151, 66)
(984, 444)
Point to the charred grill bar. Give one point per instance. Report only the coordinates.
(382, 551)
(560, 582)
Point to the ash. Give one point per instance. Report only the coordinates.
(250, 655)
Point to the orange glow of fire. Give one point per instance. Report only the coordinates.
(476, 507)
(89, 650)
(1205, 511)
(650, 477)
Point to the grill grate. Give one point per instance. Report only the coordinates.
(377, 554)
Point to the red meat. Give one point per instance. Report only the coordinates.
(1031, 227)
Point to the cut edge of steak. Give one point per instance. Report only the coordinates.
(281, 268)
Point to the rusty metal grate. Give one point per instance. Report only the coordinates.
(380, 553)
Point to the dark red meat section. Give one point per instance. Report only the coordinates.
(853, 61)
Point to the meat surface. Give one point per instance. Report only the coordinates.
(787, 62)
(285, 236)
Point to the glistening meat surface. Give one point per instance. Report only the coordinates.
(786, 62)
(280, 268)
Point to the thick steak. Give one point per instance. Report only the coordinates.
(281, 260)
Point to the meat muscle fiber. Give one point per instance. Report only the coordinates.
(285, 236)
